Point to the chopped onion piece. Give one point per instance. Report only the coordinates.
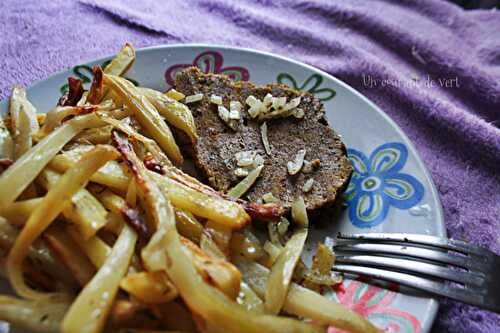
(193, 98)
(267, 101)
(254, 111)
(299, 212)
(278, 102)
(272, 250)
(269, 198)
(295, 165)
(240, 172)
(283, 225)
(216, 99)
(223, 113)
(272, 232)
(258, 161)
(252, 101)
(174, 94)
(298, 113)
(234, 115)
(265, 140)
(245, 158)
(294, 102)
(235, 105)
(244, 185)
(246, 154)
(308, 185)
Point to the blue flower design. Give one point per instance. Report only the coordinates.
(378, 183)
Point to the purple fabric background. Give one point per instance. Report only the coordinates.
(456, 130)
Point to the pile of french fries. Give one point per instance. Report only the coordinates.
(100, 231)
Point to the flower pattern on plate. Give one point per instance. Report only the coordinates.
(209, 62)
(378, 183)
(312, 84)
(84, 73)
(374, 304)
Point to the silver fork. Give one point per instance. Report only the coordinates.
(440, 266)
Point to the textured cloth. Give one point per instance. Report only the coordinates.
(454, 128)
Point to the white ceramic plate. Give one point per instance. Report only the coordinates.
(391, 190)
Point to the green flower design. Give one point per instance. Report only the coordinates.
(84, 73)
(312, 84)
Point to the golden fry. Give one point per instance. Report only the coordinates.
(112, 174)
(68, 253)
(250, 300)
(85, 211)
(36, 316)
(96, 249)
(21, 174)
(6, 145)
(176, 113)
(211, 207)
(89, 311)
(149, 287)
(282, 271)
(243, 186)
(146, 114)
(122, 61)
(24, 121)
(303, 302)
(53, 203)
(188, 226)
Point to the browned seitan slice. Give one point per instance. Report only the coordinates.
(214, 153)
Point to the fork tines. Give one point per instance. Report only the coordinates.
(441, 266)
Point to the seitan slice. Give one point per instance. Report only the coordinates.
(214, 152)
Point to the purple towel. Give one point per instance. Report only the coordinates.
(455, 128)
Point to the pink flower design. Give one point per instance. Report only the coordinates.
(373, 303)
(209, 62)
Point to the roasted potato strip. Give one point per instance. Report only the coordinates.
(243, 186)
(85, 211)
(39, 254)
(176, 113)
(188, 226)
(201, 204)
(249, 299)
(24, 121)
(122, 61)
(36, 316)
(6, 146)
(222, 274)
(282, 269)
(221, 235)
(100, 135)
(149, 287)
(307, 303)
(68, 253)
(96, 91)
(95, 248)
(89, 311)
(53, 203)
(112, 174)
(21, 174)
(146, 114)
(56, 117)
(19, 212)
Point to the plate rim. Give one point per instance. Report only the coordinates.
(441, 226)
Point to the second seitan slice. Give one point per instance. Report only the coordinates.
(214, 152)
